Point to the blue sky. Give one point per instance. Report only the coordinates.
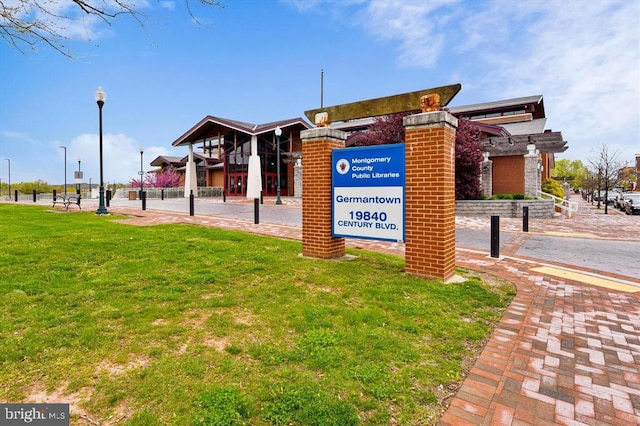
(260, 61)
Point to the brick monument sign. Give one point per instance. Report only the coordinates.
(429, 178)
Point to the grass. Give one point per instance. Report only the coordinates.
(180, 324)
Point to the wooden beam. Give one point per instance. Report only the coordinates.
(384, 106)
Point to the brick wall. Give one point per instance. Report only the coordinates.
(508, 174)
(430, 195)
(316, 189)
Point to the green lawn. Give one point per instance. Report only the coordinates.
(181, 324)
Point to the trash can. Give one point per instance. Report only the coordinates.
(132, 195)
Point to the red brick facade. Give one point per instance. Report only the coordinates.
(508, 176)
(430, 195)
(317, 241)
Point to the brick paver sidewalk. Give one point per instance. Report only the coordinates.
(564, 353)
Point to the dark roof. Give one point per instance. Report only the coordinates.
(210, 127)
(487, 106)
(166, 159)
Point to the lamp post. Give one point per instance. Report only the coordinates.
(9, 161)
(100, 96)
(278, 132)
(141, 173)
(79, 178)
(65, 170)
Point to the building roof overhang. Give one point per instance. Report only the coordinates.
(212, 127)
(497, 105)
(547, 142)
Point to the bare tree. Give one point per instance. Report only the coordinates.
(25, 24)
(606, 165)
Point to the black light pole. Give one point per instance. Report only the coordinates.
(9, 160)
(278, 134)
(143, 198)
(100, 96)
(141, 172)
(79, 180)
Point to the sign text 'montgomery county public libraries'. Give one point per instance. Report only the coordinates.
(368, 192)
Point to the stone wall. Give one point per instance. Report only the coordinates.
(538, 209)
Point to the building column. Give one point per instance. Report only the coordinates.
(486, 180)
(297, 179)
(317, 240)
(532, 183)
(430, 233)
(190, 176)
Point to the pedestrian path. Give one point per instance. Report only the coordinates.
(567, 350)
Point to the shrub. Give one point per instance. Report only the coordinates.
(553, 187)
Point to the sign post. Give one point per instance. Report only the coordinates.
(368, 192)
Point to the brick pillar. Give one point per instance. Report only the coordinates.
(531, 172)
(430, 231)
(317, 145)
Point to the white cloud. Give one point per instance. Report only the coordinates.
(583, 56)
(412, 24)
(121, 157)
(585, 60)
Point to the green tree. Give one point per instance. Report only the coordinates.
(572, 171)
(389, 129)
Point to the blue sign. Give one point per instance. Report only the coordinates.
(368, 192)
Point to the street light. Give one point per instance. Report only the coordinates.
(9, 160)
(278, 134)
(141, 172)
(79, 178)
(100, 96)
(65, 170)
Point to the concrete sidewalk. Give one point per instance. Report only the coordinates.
(567, 350)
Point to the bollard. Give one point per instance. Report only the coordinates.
(261, 198)
(161, 194)
(495, 236)
(224, 196)
(191, 208)
(256, 211)
(15, 193)
(144, 200)
(525, 219)
(34, 196)
(54, 194)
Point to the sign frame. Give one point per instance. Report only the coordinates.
(369, 176)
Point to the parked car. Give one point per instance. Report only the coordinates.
(618, 201)
(621, 200)
(632, 203)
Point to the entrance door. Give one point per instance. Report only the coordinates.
(237, 184)
(269, 184)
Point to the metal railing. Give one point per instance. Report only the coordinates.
(206, 191)
(566, 206)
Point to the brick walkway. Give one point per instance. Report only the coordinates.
(565, 352)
